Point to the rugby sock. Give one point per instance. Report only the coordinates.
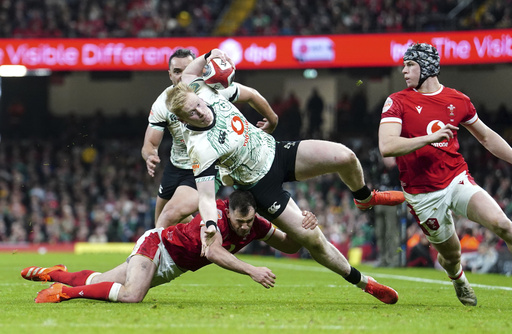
(362, 195)
(99, 291)
(459, 277)
(74, 279)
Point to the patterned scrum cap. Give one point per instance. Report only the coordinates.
(427, 57)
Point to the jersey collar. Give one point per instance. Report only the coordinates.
(431, 94)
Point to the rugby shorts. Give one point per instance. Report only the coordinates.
(268, 192)
(432, 210)
(151, 246)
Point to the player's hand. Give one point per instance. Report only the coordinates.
(266, 126)
(207, 237)
(264, 276)
(445, 133)
(151, 163)
(310, 221)
(217, 53)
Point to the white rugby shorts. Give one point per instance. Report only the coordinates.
(151, 246)
(432, 210)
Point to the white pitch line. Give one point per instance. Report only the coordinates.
(391, 276)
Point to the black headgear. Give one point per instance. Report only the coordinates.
(427, 57)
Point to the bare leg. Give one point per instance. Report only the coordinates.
(313, 240)
(484, 210)
(449, 255)
(135, 277)
(316, 157)
(179, 208)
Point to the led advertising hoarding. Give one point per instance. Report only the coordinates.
(282, 52)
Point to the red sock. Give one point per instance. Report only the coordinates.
(99, 291)
(74, 279)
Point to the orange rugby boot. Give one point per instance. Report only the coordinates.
(390, 198)
(53, 294)
(40, 273)
(383, 293)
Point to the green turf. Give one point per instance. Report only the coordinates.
(306, 299)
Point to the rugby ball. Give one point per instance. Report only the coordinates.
(218, 74)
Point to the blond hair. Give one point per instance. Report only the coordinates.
(176, 97)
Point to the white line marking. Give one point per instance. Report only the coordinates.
(397, 277)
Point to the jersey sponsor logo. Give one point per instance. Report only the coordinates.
(418, 109)
(273, 208)
(434, 126)
(237, 125)
(195, 166)
(205, 178)
(387, 105)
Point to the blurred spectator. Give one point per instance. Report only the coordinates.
(419, 254)
(481, 261)
(315, 109)
(468, 242)
(166, 18)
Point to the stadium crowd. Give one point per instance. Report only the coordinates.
(165, 18)
(89, 184)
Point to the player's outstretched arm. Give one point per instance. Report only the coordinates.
(152, 140)
(221, 257)
(261, 105)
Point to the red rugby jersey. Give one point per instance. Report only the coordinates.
(184, 244)
(433, 166)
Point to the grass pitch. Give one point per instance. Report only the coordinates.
(307, 299)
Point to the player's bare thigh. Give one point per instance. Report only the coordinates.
(483, 209)
(182, 204)
(318, 157)
(290, 222)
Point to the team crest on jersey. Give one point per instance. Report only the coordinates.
(451, 109)
(387, 105)
(219, 214)
(195, 86)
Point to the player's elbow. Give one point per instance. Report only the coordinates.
(212, 254)
(385, 150)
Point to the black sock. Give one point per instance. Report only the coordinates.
(362, 193)
(354, 277)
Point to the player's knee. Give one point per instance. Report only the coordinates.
(349, 158)
(128, 296)
(315, 242)
(503, 228)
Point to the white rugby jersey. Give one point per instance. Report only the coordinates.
(241, 149)
(160, 118)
